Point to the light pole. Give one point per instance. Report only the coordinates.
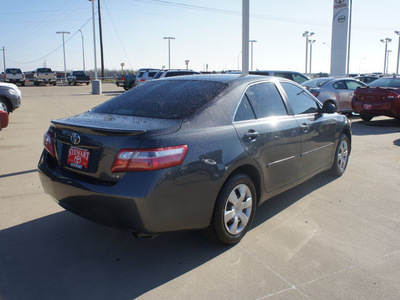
(252, 42)
(387, 62)
(398, 54)
(96, 84)
(65, 64)
(4, 58)
(385, 41)
(307, 34)
(83, 51)
(311, 42)
(169, 38)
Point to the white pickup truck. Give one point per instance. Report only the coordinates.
(14, 75)
(44, 75)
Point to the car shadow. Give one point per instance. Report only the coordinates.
(396, 142)
(374, 127)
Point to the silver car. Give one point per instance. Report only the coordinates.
(338, 91)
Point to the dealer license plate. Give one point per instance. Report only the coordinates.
(367, 106)
(78, 158)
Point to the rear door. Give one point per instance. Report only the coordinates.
(317, 130)
(269, 134)
(351, 87)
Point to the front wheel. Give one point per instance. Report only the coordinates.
(3, 106)
(234, 210)
(341, 156)
(366, 117)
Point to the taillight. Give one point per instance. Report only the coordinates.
(55, 74)
(142, 79)
(23, 75)
(315, 93)
(48, 141)
(393, 95)
(123, 78)
(130, 160)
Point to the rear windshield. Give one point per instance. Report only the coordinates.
(44, 70)
(169, 99)
(79, 73)
(314, 83)
(13, 71)
(386, 82)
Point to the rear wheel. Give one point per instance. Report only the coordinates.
(366, 117)
(341, 156)
(23, 83)
(234, 210)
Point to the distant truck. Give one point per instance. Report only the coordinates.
(78, 77)
(44, 75)
(126, 81)
(14, 75)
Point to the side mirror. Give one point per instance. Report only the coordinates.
(329, 108)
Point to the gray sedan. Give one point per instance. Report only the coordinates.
(338, 91)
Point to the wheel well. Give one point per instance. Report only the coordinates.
(331, 101)
(253, 173)
(346, 131)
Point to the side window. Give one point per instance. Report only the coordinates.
(284, 75)
(352, 85)
(266, 100)
(300, 101)
(244, 111)
(340, 85)
(299, 79)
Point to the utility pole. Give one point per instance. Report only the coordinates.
(65, 64)
(311, 42)
(307, 34)
(4, 58)
(83, 50)
(101, 42)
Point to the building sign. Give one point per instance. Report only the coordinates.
(340, 37)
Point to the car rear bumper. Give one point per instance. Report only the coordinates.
(147, 202)
(385, 108)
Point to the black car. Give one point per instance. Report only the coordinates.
(192, 152)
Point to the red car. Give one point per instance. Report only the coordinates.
(3, 119)
(379, 98)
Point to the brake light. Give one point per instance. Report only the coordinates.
(123, 78)
(315, 93)
(142, 79)
(48, 141)
(393, 95)
(23, 75)
(55, 74)
(130, 160)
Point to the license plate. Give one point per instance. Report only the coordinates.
(78, 158)
(367, 106)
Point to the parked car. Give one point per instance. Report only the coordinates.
(380, 97)
(291, 75)
(3, 119)
(10, 97)
(337, 91)
(126, 81)
(44, 75)
(145, 75)
(192, 152)
(174, 72)
(14, 75)
(78, 77)
(367, 79)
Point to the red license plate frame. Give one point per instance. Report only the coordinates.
(367, 106)
(78, 158)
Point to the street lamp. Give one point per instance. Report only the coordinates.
(169, 38)
(307, 34)
(387, 62)
(398, 54)
(65, 65)
(385, 41)
(83, 51)
(96, 84)
(251, 42)
(311, 42)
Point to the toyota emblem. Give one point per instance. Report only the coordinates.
(75, 138)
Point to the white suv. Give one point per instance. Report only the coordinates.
(174, 72)
(145, 75)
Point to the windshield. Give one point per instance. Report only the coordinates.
(169, 99)
(315, 83)
(386, 82)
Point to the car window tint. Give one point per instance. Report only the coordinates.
(140, 74)
(179, 73)
(157, 75)
(44, 70)
(340, 85)
(385, 82)
(300, 101)
(151, 74)
(284, 75)
(244, 111)
(266, 100)
(352, 85)
(299, 78)
(13, 71)
(163, 99)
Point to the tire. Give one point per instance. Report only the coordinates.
(69, 82)
(35, 83)
(55, 83)
(74, 82)
(4, 106)
(87, 83)
(341, 156)
(234, 210)
(23, 83)
(366, 117)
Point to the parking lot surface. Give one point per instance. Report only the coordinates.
(325, 239)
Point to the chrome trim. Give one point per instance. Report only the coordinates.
(282, 160)
(316, 149)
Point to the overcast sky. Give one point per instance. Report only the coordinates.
(206, 32)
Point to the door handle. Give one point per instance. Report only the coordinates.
(251, 135)
(305, 127)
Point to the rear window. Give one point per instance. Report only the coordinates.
(13, 71)
(157, 75)
(151, 74)
(175, 99)
(44, 70)
(140, 74)
(386, 82)
(79, 73)
(314, 83)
